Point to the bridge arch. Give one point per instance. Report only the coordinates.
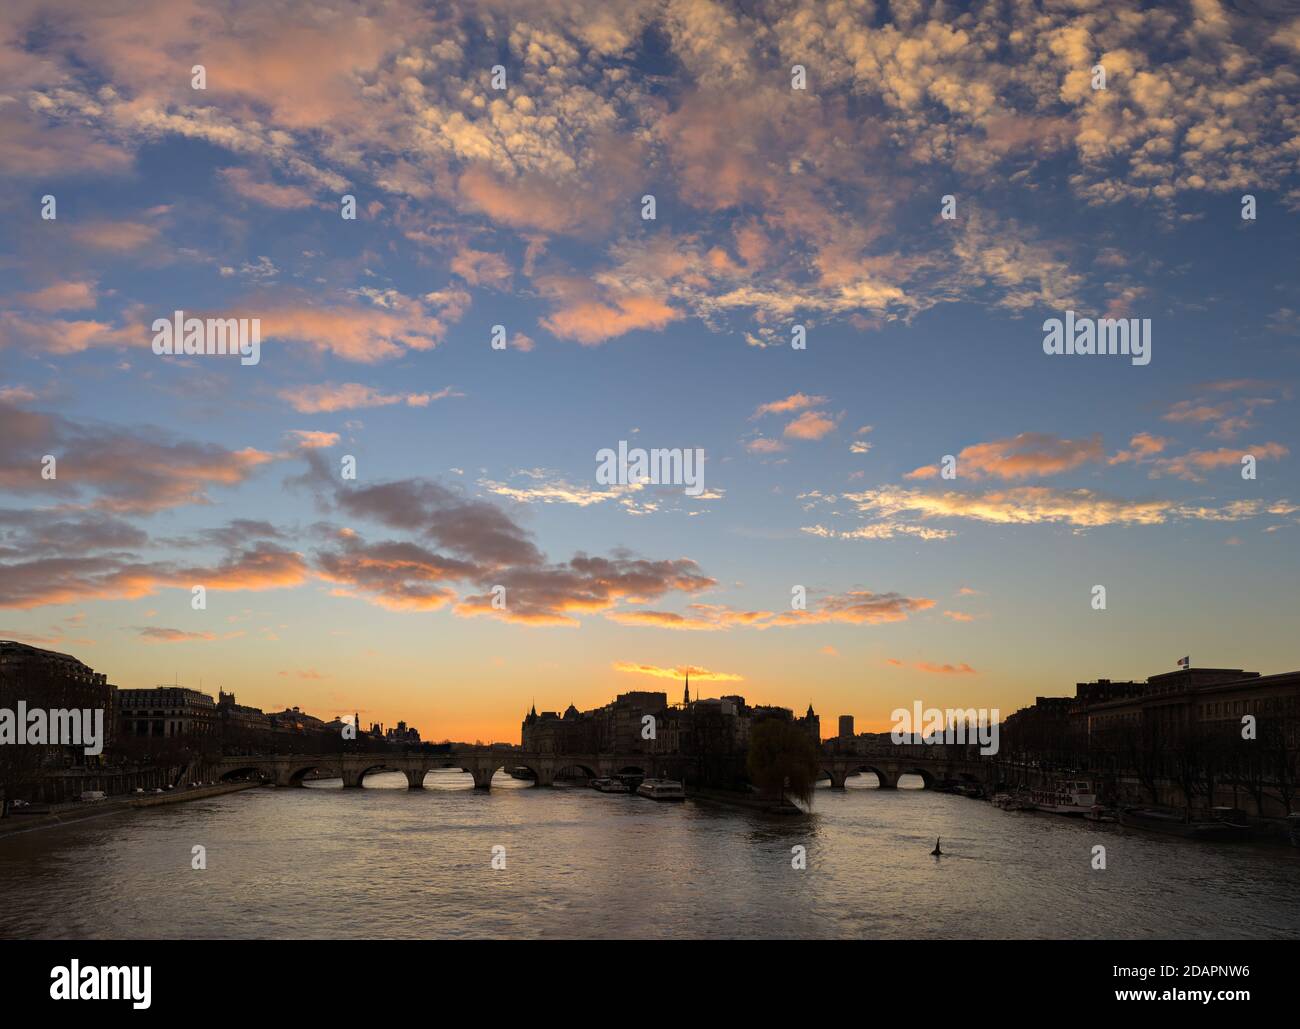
(481, 771)
(577, 766)
(884, 778)
(927, 777)
(357, 778)
(541, 776)
(293, 774)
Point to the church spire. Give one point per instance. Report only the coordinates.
(687, 701)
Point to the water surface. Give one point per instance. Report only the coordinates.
(385, 861)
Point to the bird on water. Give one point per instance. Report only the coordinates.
(936, 852)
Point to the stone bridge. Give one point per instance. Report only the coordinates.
(888, 766)
(484, 762)
(480, 762)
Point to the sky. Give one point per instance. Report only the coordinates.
(945, 182)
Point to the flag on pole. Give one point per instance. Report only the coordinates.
(1184, 662)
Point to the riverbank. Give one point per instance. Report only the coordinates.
(748, 801)
(80, 811)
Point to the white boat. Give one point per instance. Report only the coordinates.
(1068, 797)
(610, 785)
(661, 789)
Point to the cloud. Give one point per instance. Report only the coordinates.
(1227, 418)
(1020, 505)
(553, 594)
(354, 333)
(546, 488)
(270, 194)
(314, 438)
(794, 402)
(592, 317)
(1195, 463)
(16, 395)
(679, 673)
(811, 425)
(944, 669)
(1028, 455)
(485, 548)
(125, 470)
(72, 295)
(397, 575)
(855, 607)
(1142, 446)
(155, 634)
(114, 235)
(884, 530)
(479, 267)
(41, 581)
(35, 149)
(58, 336)
(325, 397)
(1036, 505)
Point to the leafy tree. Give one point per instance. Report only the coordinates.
(783, 759)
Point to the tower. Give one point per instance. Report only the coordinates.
(687, 701)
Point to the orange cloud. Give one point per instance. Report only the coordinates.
(678, 673)
(591, 322)
(155, 634)
(811, 425)
(362, 334)
(61, 296)
(1027, 455)
(856, 607)
(1141, 446)
(1021, 505)
(324, 398)
(479, 267)
(1195, 463)
(935, 669)
(794, 402)
(115, 235)
(314, 438)
(270, 194)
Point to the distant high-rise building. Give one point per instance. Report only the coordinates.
(846, 726)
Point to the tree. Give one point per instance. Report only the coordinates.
(783, 759)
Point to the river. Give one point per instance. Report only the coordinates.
(385, 861)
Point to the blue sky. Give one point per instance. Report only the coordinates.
(522, 208)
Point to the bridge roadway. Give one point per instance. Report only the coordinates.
(484, 762)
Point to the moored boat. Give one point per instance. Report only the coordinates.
(1068, 797)
(1176, 823)
(661, 789)
(610, 785)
